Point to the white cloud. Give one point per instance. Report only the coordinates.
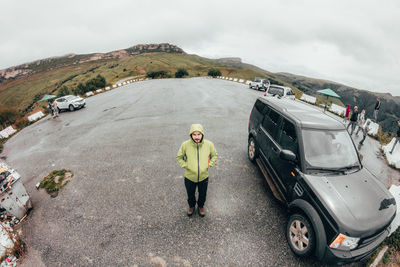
(353, 42)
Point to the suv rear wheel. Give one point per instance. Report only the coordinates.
(300, 235)
(252, 149)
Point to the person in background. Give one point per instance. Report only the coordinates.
(365, 132)
(346, 116)
(55, 110)
(50, 108)
(361, 121)
(353, 120)
(376, 109)
(397, 137)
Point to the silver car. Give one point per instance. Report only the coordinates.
(70, 102)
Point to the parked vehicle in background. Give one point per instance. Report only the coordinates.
(259, 83)
(70, 102)
(338, 210)
(280, 91)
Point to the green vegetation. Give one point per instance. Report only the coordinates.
(181, 73)
(63, 91)
(91, 85)
(158, 74)
(56, 180)
(8, 116)
(214, 72)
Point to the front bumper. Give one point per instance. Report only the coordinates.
(335, 256)
(79, 105)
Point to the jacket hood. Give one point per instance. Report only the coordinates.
(196, 127)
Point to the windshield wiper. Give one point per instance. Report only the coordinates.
(324, 169)
(347, 168)
(342, 169)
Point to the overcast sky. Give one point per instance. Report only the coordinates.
(352, 42)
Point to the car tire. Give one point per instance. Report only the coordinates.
(71, 108)
(257, 87)
(250, 86)
(300, 235)
(252, 150)
(59, 110)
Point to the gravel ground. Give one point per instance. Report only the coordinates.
(126, 203)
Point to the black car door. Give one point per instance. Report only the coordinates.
(284, 168)
(268, 134)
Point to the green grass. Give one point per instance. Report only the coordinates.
(49, 182)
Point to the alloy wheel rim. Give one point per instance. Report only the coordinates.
(299, 235)
(251, 149)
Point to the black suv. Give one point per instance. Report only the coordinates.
(338, 210)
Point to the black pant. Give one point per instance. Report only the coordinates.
(191, 190)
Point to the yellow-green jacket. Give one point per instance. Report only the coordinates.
(196, 158)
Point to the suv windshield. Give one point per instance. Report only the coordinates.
(329, 149)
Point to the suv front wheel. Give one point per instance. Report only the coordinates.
(252, 150)
(300, 235)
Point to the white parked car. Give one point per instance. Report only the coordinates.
(280, 91)
(259, 84)
(70, 102)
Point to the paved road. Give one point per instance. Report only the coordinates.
(126, 203)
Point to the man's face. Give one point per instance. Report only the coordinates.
(355, 108)
(398, 123)
(197, 136)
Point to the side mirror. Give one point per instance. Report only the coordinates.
(287, 155)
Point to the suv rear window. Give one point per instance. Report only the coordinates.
(289, 92)
(276, 91)
(271, 123)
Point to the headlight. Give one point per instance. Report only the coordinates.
(345, 242)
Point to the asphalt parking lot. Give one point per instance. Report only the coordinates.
(126, 203)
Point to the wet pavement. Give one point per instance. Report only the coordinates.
(126, 203)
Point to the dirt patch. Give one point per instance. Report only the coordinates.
(56, 180)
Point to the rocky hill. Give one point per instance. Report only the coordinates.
(27, 69)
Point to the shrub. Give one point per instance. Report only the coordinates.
(181, 73)
(157, 74)
(8, 116)
(63, 91)
(214, 72)
(91, 85)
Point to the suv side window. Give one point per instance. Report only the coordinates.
(259, 106)
(288, 138)
(271, 123)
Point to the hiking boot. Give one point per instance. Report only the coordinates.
(202, 212)
(190, 211)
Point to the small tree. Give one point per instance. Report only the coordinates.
(8, 116)
(214, 72)
(63, 91)
(181, 73)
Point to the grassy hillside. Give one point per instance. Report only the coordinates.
(22, 93)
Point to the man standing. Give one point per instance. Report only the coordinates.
(365, 132)
(353, 120)
(376, 109)
(397, 137)
(196, 155)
